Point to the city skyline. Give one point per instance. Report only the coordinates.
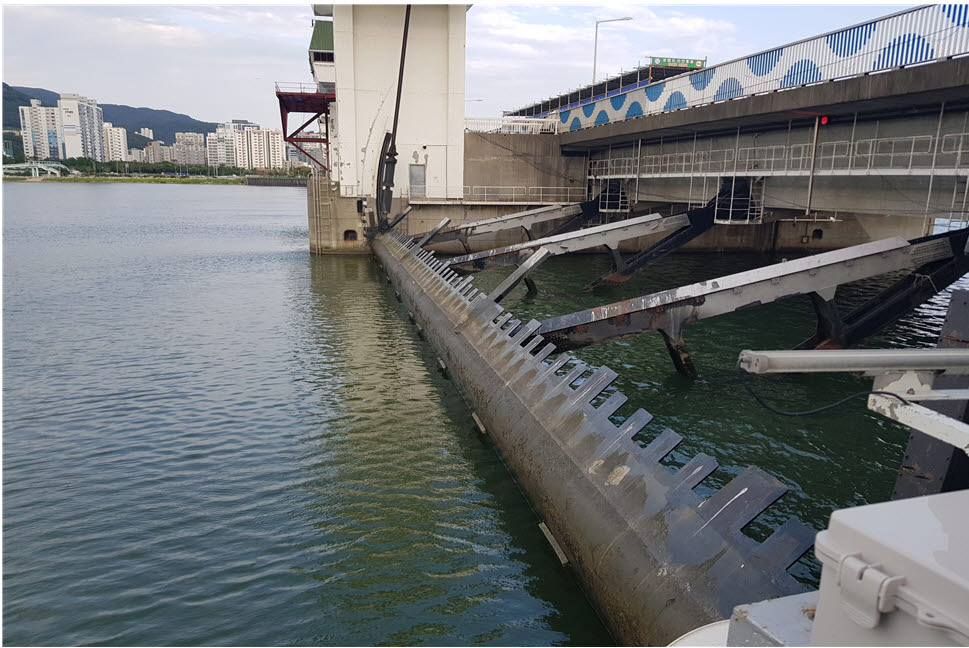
(203, 62)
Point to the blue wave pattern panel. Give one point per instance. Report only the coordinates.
(804, 71)
(914, 36)
(958, 14)
(675, 102)
(849, 42)
(910, 48)
(761, 64)
(700, 80)
(728, 90)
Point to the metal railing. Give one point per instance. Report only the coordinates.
(297, 86)
(495, 194)
(510, 125)
(947, 154)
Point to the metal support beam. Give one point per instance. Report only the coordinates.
(930, 465)
(668, 311)
(908, 373)
(938, 261)
(691, 225)
(521, 273)
(399, 217)
(427, 237)
(524, 219)
(609, 235)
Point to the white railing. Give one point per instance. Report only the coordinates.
(510, 125)
(495, 194)
(297, 86)
(894, 155)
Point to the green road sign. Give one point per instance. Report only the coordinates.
(666, 61)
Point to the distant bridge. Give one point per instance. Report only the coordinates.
(37, 166)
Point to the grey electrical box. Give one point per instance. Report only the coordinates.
(895, 574)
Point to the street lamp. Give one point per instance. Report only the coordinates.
(595, 52)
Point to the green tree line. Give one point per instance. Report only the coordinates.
(89, 166)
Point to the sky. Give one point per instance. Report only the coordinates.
(217, 63)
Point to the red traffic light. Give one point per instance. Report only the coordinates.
(824, 120)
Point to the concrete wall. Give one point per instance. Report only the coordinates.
(492, 159)
(367, 44)
(335, 226)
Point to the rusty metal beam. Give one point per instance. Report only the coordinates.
(670, 310)
(698, 222)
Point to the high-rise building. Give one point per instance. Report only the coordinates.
(81, 128)
(259, 149)
(144, 131)
(220, 147)
(294, 154)
(136, 155)
(39, 128)
(189, 148)
(158, 152)
(242, 125)
(115, 143)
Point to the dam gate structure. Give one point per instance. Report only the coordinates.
(858, 157)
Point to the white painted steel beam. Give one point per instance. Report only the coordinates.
(610, 235)
(509, 221)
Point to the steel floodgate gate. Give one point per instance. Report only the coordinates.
(655, 558)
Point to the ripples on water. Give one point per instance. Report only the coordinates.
(212, 438)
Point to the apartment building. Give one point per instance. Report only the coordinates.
(115, 143)
(81, 128)
(144, 131)
(189, 148)
(39, 127)
(260, 149)
(158, 152)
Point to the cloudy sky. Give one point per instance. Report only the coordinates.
(219, 62)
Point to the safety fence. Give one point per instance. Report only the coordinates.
(495, 194)
(914, 155)
(510, 125)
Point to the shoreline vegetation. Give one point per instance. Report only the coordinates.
(141, 179)
(87, 170)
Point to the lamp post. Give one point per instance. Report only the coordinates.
(595, 51)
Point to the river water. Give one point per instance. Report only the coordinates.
(211, 437)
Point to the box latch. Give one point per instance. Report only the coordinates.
(866, 591)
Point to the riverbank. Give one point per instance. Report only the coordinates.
(141, 179)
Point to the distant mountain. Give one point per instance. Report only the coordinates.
(46, 97)
(163, 123)
(12, 100)
(139, 141)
